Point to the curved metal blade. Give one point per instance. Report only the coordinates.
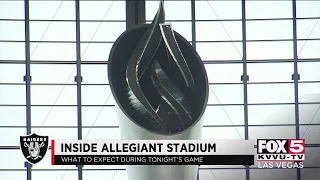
(170, 94)
(173, 47)
(140, 59)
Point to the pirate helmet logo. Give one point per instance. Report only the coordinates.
(34, 147)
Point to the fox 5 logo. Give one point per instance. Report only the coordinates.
(281, 146)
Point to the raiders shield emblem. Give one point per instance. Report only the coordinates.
(34, 147)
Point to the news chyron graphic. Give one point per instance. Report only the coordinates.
(280, 153)
(34, 147)
(152, 152)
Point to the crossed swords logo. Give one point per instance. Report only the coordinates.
(34, 149)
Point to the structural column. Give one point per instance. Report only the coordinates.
(245, 78)
(135, 13)
(296, 75)
(193, 22)
(78, 78)
(27, 78)
(194, 40)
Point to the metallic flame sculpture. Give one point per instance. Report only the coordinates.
(161, 90)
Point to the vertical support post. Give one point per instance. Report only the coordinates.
(296, 76)
(193, 22)
(78, 78)
(193, 31)
(135, 13)
(245, 78)
(27, 78)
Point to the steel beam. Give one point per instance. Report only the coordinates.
(27, 79)
(245, 77)
(135, 13)
(296, 76)
(78, 78)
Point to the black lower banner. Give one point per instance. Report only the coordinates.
(153, 160)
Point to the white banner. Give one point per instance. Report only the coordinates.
(153, 147)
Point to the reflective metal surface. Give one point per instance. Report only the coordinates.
(157, 78)
(161, 90)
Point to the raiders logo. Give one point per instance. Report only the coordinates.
(34, 147)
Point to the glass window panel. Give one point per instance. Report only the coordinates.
(107, 116)
(307, 26)
(12, 116)
(65, 175)
(220, 51)
(225, 94)
(52, 31)
(12, 30)
(12, 51)
(12, 73)
(311, 134)
(308, 113)
(53, 116)
(183, 28)
(116, 10)
(312, 156)
(268, 9)
(218, 10)
(115, 175)
(270, 72)
(309, 92)
(43, 73)
(309, 71)
(53, 51)
(48, 10)
(53, 95)
(111, 100)
(309, 173)
(56, 133)
(223, 133)
(270, 93)
(96, 95)
(308, 49)
(219, 31)
(45, 163)
(278, 132)
(268, 174)
(97, 31)
(12, 94)
(222, 174)
(271, 114)
(11, 136)
(265, 30)
(11, 159)
(219, 115)
(170, 10)
(224, 73)
(270, 50)
(21, 175)
(308, 9)
(11, 9)
(101, 133)
(95, 74)
(95, 51)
